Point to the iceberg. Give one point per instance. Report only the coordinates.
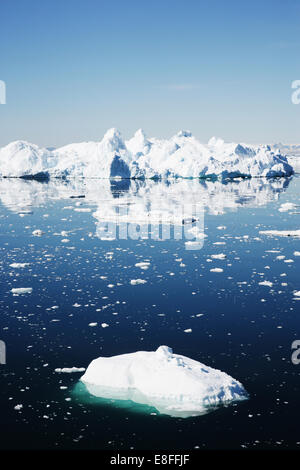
(173, 384)
(21, 159)
(181, 156)
(292, 152)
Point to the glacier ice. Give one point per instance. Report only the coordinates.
(173, 384)
(139, 157)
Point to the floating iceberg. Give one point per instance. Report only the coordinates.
(181, 156)
(292, 152)
(171, 383)
(23, 160)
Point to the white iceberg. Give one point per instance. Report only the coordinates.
(292, 152)
(22, 159)
(181, 156)
(171, 383)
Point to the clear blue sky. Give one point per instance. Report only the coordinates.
(74, 68)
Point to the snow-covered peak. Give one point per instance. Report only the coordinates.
(113, 140)
(184, 133)
(139, 144)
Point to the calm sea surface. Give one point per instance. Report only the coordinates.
(80, 280)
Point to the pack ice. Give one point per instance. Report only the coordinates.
(171, 383)
(181, 156)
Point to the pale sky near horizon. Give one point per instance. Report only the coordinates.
(74, 68)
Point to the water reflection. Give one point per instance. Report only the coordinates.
(142, 197)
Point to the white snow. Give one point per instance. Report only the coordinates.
(173, 384)
(180, 156)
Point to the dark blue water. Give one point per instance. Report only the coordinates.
(245, 329)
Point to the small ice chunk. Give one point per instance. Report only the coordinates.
(219, 256)
(69, 370)
(38, 233)
(265, 283)
(135, 282)
(21, 290)
(18, 265)
(18, 407)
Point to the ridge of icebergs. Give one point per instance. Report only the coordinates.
(139, 157)
(173, 384)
